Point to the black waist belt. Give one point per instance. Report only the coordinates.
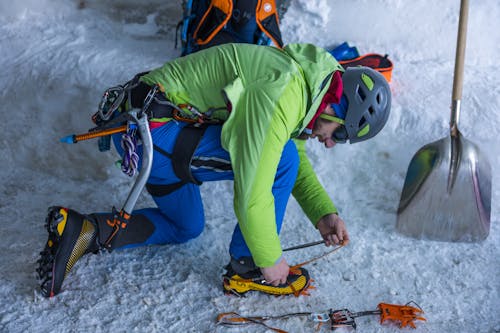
(156, 108)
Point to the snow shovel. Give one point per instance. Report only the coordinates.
(447, 191)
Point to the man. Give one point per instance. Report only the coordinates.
(260, 102)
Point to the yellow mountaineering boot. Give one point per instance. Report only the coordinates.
(71, 235)
(241, 278)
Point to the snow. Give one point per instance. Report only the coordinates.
(56, 60)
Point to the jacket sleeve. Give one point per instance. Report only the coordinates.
(308, 191)
(261, 122)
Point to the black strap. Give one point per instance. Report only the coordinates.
(272, 27)
(181, 156)
(139, 229)
(158, 190)
(158, 107)
(185, 146)
(138, 94)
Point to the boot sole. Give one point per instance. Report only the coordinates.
(62, 251)
(54, 217)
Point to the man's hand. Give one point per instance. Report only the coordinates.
(276, 274)
(332, 229)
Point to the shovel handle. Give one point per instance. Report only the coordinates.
(458, 77)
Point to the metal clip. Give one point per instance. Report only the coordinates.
(149, 98)
(110, 102)
(320, 317)
(342, 318)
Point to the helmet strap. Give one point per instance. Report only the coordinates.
(332, 118)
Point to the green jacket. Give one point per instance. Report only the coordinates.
(273, 94)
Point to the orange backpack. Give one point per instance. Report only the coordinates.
(211, 22)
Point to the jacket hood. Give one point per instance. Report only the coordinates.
(317, 68)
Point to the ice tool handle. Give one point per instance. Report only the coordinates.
(147, 162)
(140, 118)
(121, 218)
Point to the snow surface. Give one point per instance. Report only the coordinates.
(56, 60)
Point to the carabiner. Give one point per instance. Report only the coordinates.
(149, 98)
(110, 102)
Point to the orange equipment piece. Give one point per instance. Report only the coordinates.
(405, 314)
(380, 63)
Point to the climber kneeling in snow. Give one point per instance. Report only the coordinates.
(239, 112)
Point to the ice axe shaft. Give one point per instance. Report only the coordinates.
(303, 246)
(74, 138)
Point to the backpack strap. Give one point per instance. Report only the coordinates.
(219, 13)
(267, 18)
(215, 18)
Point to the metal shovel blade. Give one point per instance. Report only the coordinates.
(447, 193)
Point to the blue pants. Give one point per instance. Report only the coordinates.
(180, 216)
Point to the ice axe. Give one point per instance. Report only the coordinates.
(447, 191)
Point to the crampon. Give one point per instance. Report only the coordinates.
(403, 315)
(298, 282)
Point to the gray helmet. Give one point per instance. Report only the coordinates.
(369, 102)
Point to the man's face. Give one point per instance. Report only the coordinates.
(323, 129)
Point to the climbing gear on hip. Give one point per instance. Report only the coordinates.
(130, 109)
(132, 94)
(112, 113)
(116, 110)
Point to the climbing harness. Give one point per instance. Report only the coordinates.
(405, 315)
(130, 109)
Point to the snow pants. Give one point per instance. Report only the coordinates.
(179, 216)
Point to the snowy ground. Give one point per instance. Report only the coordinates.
(56, 61)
